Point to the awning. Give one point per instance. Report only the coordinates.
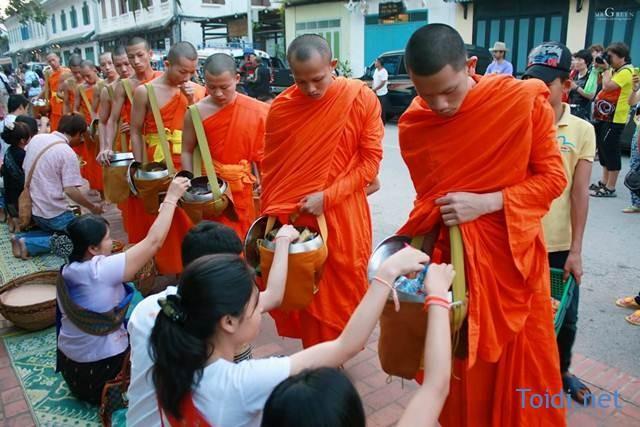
(74, 39)
(147, 26)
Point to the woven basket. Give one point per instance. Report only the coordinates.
(36, 316)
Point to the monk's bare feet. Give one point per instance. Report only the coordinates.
(15, 246)
(24, 253)
(13, 225)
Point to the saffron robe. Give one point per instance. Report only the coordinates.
(168, 259)
(55, 102)
(93, 169)
(502, 139)
(332, 144)
(235, 135)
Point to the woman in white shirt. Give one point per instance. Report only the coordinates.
(92, 299)
(216, 309)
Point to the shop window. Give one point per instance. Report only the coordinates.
(85, 13)
(63, 20)
(103, 5)
(114, 10)
(123, 7)
(73, 15)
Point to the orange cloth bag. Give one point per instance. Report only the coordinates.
(304, 272)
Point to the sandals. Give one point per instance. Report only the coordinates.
(597, 186)
(628, 302)
(576, 389)
(631, 209)
(604, 192)
(634, 318)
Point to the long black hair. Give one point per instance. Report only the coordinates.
(16, 132)
(85, 231)
(322, 397)
(211, 287)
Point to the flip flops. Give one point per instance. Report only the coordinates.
(576, 389)
(634, 318)
(628, 302)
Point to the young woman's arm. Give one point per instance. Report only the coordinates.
(354, 336)
(141, 253)
(272, 296)
(425, 406)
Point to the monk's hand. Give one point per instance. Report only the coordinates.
(125, 128)
(188, 91)
(459, 208)
(313, 203)
(573, 266)
(104, 157)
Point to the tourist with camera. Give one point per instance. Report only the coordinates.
(610, 112)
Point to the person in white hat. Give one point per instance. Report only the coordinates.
(499, 65)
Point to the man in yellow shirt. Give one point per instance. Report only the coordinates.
(565, 223)
(610, 113)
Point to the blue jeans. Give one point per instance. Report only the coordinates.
(569, 329)
(38, 241)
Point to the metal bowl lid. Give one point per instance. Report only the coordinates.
(384, 250)
(255, 233)
(120, 157)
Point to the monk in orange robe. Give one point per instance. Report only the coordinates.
(84, 102)
(482, 154)
(235, 126)
(322, 148)
(138, 57)
(53, 79)
(175, 92)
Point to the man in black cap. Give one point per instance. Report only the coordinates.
(565, 223)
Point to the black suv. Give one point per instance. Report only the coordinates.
(401, 90)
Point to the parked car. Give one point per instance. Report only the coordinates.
(281, 77)
(401, 90)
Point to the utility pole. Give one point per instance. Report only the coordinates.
(249, 23)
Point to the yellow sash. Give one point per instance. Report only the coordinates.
(173, 137)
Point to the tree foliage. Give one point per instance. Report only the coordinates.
(27, 10)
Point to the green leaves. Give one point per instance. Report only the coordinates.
(27, 10)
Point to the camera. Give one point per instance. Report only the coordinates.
(602, 59)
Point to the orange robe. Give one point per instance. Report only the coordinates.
(502, 139)
(168, 259)
(93, 169)
(332, 145)
(133, 208)
(236, 140)
(55, 102)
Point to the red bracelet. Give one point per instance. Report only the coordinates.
(394, 292)
(432, 299)
(438, 303)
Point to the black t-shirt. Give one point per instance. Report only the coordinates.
(582, 107)
(13, 174)
(262, 85)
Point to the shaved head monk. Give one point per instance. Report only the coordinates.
(234, 125)
(135, 70)
(483, 155)
(84, 102)
(53, 81)
(174, 92)
(70, 84)
(322, 148)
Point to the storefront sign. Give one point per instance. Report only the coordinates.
(390, 9)
(237, 27)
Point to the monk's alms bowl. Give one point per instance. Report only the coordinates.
(121, 159)
(200, 190)
(152, 171)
